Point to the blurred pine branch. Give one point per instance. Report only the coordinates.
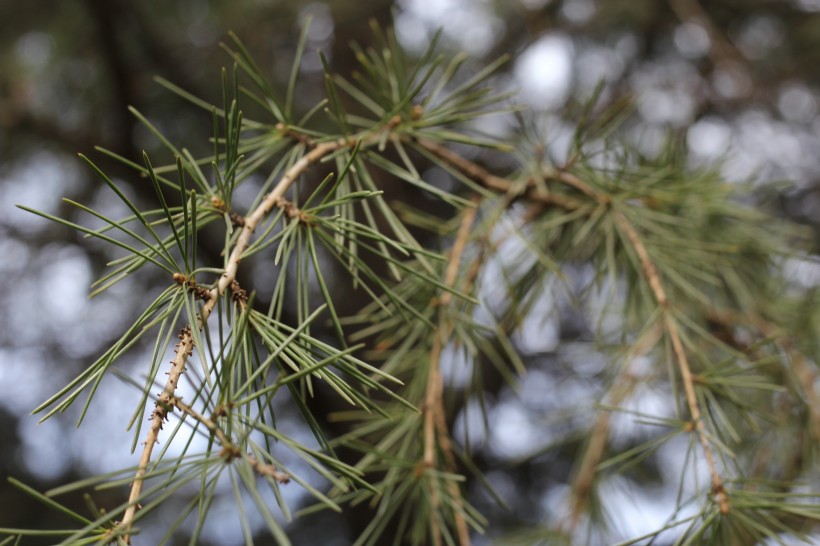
(684, 283)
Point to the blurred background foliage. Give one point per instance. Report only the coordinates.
(731, 82)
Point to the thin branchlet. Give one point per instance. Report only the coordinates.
(436, 434)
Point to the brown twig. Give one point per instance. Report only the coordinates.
(652, 277)
(160, 414)
(228, 447)
(435, 424)
(209, 423)
(530, 192)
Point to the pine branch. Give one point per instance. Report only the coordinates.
(629, 223)
(249, 223)
(186, 346)
(650, 273)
